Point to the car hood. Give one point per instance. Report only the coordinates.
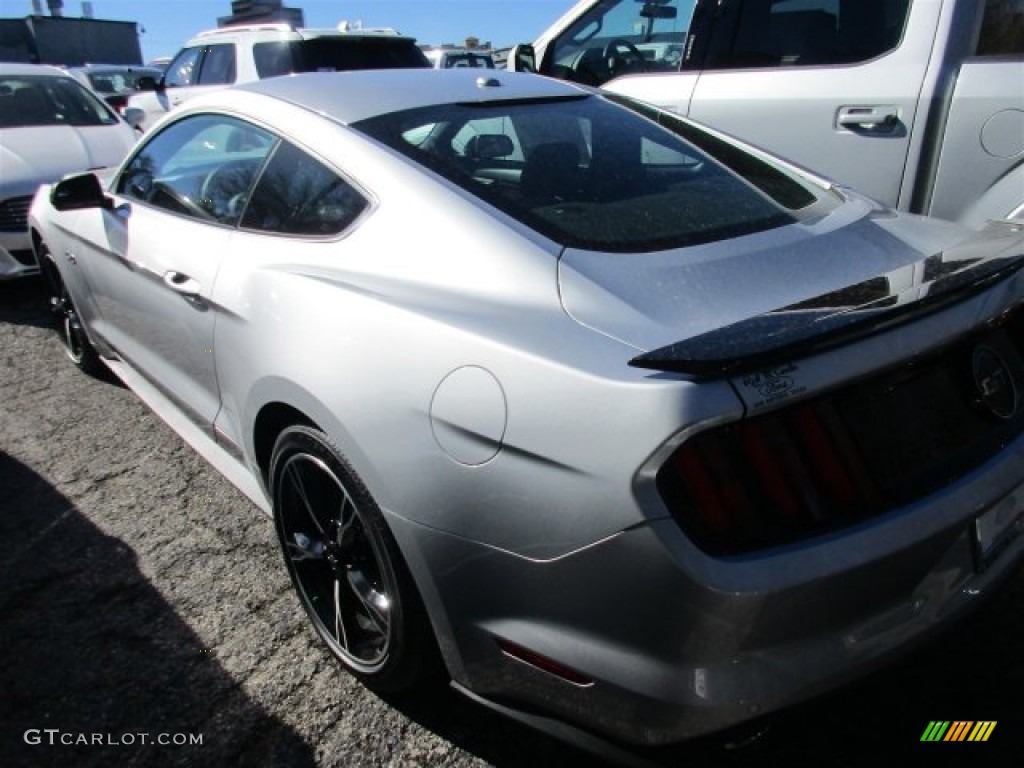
(856, 256)
(37, 154)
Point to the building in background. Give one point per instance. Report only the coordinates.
(58, 39)
(246, 12)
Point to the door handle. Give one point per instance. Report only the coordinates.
(181, 283)
(880, 119)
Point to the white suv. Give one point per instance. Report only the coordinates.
(241, 54)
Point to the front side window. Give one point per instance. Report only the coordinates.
(621, 37)
(601, 173)
(41, 100)
(184, 69)
(787, 33)
(202, 167)
(299, 195)
(1002, 28)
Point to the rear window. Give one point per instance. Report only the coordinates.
(594, 174)
(476, 60)
(331, 54)
(43, 100)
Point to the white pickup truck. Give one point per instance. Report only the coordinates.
(918, 103)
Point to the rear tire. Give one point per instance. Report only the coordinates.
(345, 565)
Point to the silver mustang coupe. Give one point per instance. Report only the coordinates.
(639, 431)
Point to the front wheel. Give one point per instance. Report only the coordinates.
(69, 325)
(345, 564)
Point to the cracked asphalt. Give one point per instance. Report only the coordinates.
(143, 598)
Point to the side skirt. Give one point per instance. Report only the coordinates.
(203, 444)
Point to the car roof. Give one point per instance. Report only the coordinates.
(284, 31)
(19, 68)
(348, 97)
(113, 68)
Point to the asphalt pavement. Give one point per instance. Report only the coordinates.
(147, 620)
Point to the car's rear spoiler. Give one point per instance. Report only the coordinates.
(832, 319)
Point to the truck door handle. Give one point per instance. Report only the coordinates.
(183, 284)
(868, 118)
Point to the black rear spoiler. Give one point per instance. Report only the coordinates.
(831, 319)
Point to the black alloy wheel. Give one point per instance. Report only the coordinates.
(69, 325)
(345, 564)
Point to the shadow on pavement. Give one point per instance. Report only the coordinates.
(25, 302)
(92, 649)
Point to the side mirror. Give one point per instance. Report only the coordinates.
(134, 117)
(75, 193)
(522, 58)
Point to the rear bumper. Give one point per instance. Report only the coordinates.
(672, 644)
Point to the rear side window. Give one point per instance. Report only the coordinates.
(273, 59)
(1002, 28)
(793, 33)
(218, 65)
(330, 54)
(298, 195)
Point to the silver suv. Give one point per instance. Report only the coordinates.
(240, 54)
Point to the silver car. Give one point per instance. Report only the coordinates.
(640, 431)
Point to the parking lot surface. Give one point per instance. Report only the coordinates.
(147, 620)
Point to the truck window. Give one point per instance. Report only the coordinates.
(1002, 28)
(620, 37)
(218, 65)
(183, 70)
(785, 33)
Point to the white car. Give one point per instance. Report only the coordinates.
(114, 82)
(50, 125)
(242, 54)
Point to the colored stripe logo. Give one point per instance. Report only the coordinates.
(958, 730)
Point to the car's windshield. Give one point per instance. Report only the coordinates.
(591, 173)
(49, 100)
(331, 54)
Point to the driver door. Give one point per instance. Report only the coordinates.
(153, 259)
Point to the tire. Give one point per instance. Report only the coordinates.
(345, 565)
(73, 337)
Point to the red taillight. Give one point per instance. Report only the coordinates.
(845, 456)
(765, 481)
